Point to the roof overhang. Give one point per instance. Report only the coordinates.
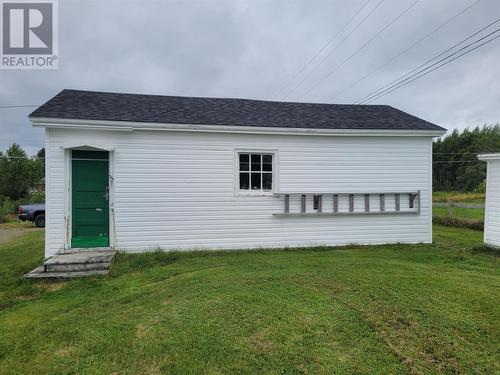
(87, 147)
(57, 123)
(486, 157)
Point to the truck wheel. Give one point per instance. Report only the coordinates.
(40, 221)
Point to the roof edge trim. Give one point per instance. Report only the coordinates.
(49, 122)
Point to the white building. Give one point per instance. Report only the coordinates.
(138, 172)
(492, 211)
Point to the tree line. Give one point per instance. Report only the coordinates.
(455, 164)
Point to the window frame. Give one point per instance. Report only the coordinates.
(274, 172)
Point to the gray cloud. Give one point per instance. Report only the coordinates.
(251, 49)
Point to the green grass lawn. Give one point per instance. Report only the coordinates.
(376, 309)
(476, 214)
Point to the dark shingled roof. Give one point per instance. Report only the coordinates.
(91, 105)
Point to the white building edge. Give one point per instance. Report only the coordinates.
(492, 207)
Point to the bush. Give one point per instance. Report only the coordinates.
(458, 222)
(7, 208)
(481, 188)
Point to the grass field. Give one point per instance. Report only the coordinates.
(461, 217)
(458, 197)
(376, 309)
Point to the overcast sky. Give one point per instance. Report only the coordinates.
(257, 48)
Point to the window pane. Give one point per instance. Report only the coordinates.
(256, 181)
(244, 181)
(244, 162)
(256, 162)
(244, 166)
(267, 163)
(267, 181)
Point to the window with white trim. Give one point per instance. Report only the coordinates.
(255, 172)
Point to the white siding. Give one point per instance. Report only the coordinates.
(492, 216)
(176, 190)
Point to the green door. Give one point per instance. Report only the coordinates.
(90, 207)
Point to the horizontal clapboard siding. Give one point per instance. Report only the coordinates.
(492, 218)
(176, 190)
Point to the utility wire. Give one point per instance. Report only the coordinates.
(330, 73)
(411, 73)
(432, 70)
(405, 50)
(333, 50)
(419, 75)
(299, 72)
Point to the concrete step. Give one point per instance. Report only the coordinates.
(80, 261)
(74, 264)
(74, 267)
(39, 273)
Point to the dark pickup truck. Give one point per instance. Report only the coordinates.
(32, 212)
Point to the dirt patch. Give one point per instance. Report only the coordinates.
(24, 298)
(52, 286)
(258, 340)
(7, 235)
(66, 351)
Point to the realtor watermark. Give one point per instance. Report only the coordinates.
(29, 37)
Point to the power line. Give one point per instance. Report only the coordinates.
(329, 74)
(412, 73)
(333, 50)
(417, 76)
(321, 49)
(432, 70)
(405, 50)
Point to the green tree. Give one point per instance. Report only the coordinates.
(18, 173)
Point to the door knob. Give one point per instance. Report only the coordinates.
(98, 209)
